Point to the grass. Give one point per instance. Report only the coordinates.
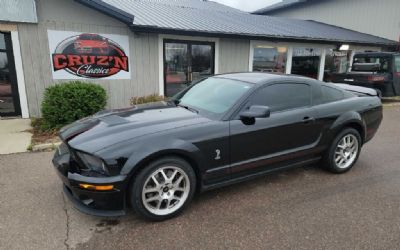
(146, 99)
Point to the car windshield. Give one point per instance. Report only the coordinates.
(213, 95)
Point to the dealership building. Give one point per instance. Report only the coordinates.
(142, 47)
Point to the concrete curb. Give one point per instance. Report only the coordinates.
(45, 147)
(391, 104)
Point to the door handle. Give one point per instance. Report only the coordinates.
(308, 119)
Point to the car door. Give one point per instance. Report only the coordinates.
(290, 129)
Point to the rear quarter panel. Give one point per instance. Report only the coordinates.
(366, 112)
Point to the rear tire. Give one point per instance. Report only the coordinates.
(343, 152)
(163, 189)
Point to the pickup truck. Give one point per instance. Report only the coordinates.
(377, 70)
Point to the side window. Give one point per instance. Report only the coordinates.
(283, 96)
(331, 94)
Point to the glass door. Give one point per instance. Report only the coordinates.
(184, 62)
(305, 61)
(9, 99)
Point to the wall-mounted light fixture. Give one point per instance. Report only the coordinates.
(344, 47)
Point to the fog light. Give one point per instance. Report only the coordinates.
(97, 188)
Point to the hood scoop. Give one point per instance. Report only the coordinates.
(112, 120)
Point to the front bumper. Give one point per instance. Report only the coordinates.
(97, 203)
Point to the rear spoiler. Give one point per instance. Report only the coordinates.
(359, 90)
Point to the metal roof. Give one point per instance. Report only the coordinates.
(18, 11)
(195, 17)
(277, 6)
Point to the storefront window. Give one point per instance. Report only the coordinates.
(305, 62)
(269, 59)
(336, 62)
(397, 65)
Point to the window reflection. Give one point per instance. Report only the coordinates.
(305, 62)
(269, 59)
(336, 61)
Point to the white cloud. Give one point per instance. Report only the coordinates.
(247, 5)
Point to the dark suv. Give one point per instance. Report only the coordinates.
(378, 70)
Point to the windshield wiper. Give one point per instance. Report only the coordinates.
(188, 108)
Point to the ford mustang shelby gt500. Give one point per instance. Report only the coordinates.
(221, 130)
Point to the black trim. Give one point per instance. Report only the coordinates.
(261, 173)
(109, 10)
(90, 211)
(13, 76)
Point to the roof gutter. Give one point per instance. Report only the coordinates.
(109, 10)
(154, 29)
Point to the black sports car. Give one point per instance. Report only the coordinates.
(220, 130)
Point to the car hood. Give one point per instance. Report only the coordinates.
(109, 127)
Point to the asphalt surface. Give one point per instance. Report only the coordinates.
(305, 208)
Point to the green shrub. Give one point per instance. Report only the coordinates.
(67, 102)
(146, 99)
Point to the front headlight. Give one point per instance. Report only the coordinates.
(93, 163)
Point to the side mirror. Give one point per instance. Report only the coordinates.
(255, 111)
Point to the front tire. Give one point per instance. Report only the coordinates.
(163, 189)
(344, 151)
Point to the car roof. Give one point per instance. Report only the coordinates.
(260, 77)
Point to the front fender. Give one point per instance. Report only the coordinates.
(153, 148)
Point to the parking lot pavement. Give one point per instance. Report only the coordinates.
(306, 208)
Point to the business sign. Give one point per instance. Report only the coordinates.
(77, 55)
(306, 52)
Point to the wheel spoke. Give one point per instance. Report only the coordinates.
(169, 203)
(177, 182)
(173, 175)
(154, 198)
(155, 180)
(159, 203)
(150, 190)
(179, 189)
(164, 176)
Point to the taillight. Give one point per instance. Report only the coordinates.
(376, 78)
(397, 74)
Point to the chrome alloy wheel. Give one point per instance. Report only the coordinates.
(165, 190)
(346, 151)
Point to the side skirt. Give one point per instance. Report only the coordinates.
(261, 173)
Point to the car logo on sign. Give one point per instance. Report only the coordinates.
(90, 56)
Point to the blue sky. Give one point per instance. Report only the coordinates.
(247, 5)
